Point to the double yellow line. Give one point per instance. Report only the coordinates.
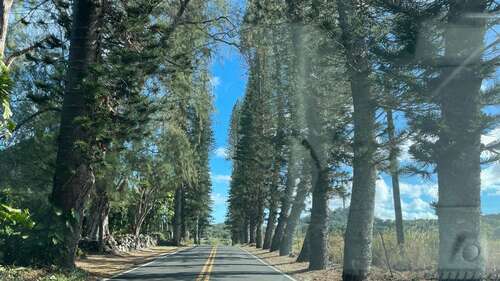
(207, 268)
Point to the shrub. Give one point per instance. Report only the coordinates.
(15, 225)
(40, 274)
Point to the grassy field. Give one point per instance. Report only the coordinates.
(420, 252)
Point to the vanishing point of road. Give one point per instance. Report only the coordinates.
(205, 263)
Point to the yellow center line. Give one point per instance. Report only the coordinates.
(211, 264)
(205, 272)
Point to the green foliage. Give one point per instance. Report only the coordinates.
(15, 225)
(6, 124)
(40, 274)
(218, 234)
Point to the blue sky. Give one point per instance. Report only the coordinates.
(229, 81)
(229, 75)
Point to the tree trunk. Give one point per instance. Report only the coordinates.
(246, 227)
(394, 171)
(271, 224)
(4, 25)
(459, 146)
(184, 230)
(318, 228)
(260, 219)
(74, 177)
(258, 235)
(273, 205)
(304, 252)
(358, 238)
(143, 208)
(197, 231)
(285, 203)
(178, 216)
(298, 206)
(253, 230)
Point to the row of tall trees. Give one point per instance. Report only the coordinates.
(327, 79)
(112, 109)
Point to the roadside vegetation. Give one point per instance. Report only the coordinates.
(105, 129)
(343, 95)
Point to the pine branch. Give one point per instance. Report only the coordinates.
(37, 45)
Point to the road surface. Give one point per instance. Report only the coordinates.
(205, 263)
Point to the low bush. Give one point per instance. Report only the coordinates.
(40, 274)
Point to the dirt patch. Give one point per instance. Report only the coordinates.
(295, 269)
(105, 266)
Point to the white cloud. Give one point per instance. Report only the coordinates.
(418, 190)
(221, 152)
(221, 178)
(490, 179)
(218, 199)
(384, 206)
(405, 151)
(215, 81)
(415, 198)
(492, 136)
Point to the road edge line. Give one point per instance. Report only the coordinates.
(271, 266)
(155, 259)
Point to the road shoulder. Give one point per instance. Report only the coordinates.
(297, 271)
(105, 266)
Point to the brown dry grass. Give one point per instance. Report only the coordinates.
(105, 266)
(333, 273)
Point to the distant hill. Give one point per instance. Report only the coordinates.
(337, 222)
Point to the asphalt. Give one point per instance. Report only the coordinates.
(204, 263)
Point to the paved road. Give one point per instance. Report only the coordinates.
(205, 263)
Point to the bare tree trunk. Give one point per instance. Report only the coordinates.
(253, 229)
(358, 238)
(273, 206)
(318, 229)
(184, 230)
(298, 206)
(197, 231)
(4, 25)
(143, 208)
(394, 171)
(178, 216)
(246, 227)
(285, 202)
(74, 177)
(304, 252)
(459, 146)
(260, 219)
(271, 224)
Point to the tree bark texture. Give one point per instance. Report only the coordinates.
(4, 25)
(74, 177)
(177, 223)
(285, 202)
(394, 171)
(359, 230)
(305, 250)
(273, 205)
(303, 189)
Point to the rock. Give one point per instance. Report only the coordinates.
(119, 243)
